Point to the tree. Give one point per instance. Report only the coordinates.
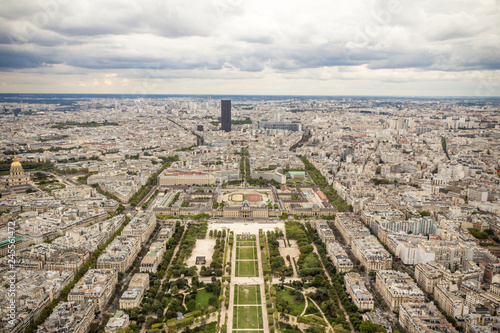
(213, 301)
(319, 281)
(191, 271)
(156, 305)
(149, 322)
(195, 281)
(339, 328)
(277, 263)
(174, 290)
(191, 304)
(298, 296)
(134, 313)
(320, 295)
(370, 327)
(424, 213)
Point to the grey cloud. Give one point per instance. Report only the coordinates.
(211, 35)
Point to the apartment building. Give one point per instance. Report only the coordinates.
(423, 317)
(142, 225)
(67, 259)
(339, 257)
(450, 299)
(371, 254)
(153, 258)
(120, 254)
(356, 288)
(71, 317)
(132, 297)
(397, 288)
(96, 285)
(350, 227)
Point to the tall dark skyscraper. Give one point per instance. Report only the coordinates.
(225, 117)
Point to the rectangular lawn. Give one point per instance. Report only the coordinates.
(247, 317)
(247, 268)
(246, 253)
(246, 243)
(248, 294)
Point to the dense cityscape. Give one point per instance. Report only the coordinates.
(163, 213)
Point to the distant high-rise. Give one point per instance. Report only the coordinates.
(225, 118)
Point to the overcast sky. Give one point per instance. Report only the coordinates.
(306, 47)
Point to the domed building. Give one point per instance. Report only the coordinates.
(17, 175)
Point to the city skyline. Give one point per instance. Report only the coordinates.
(144, 214)
(387, 48)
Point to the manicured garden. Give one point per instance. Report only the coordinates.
(246, 253)
(246, 243)
(249, 317)
(246, 268)
(246, 256)
(246, 294)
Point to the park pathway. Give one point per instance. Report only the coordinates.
(223, 309)
(173, 255)
(231, 286)
(265, 320)
(330, 279)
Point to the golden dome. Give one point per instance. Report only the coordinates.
(16, 163)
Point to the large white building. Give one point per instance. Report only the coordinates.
(182, 177)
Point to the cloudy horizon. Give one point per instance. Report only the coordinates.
(391, 48)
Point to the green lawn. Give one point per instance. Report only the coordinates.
(202, 297)
(249, 294)
(246, 253)
(246, 268)
(246, 243)
(294, 307)
(247, 317)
